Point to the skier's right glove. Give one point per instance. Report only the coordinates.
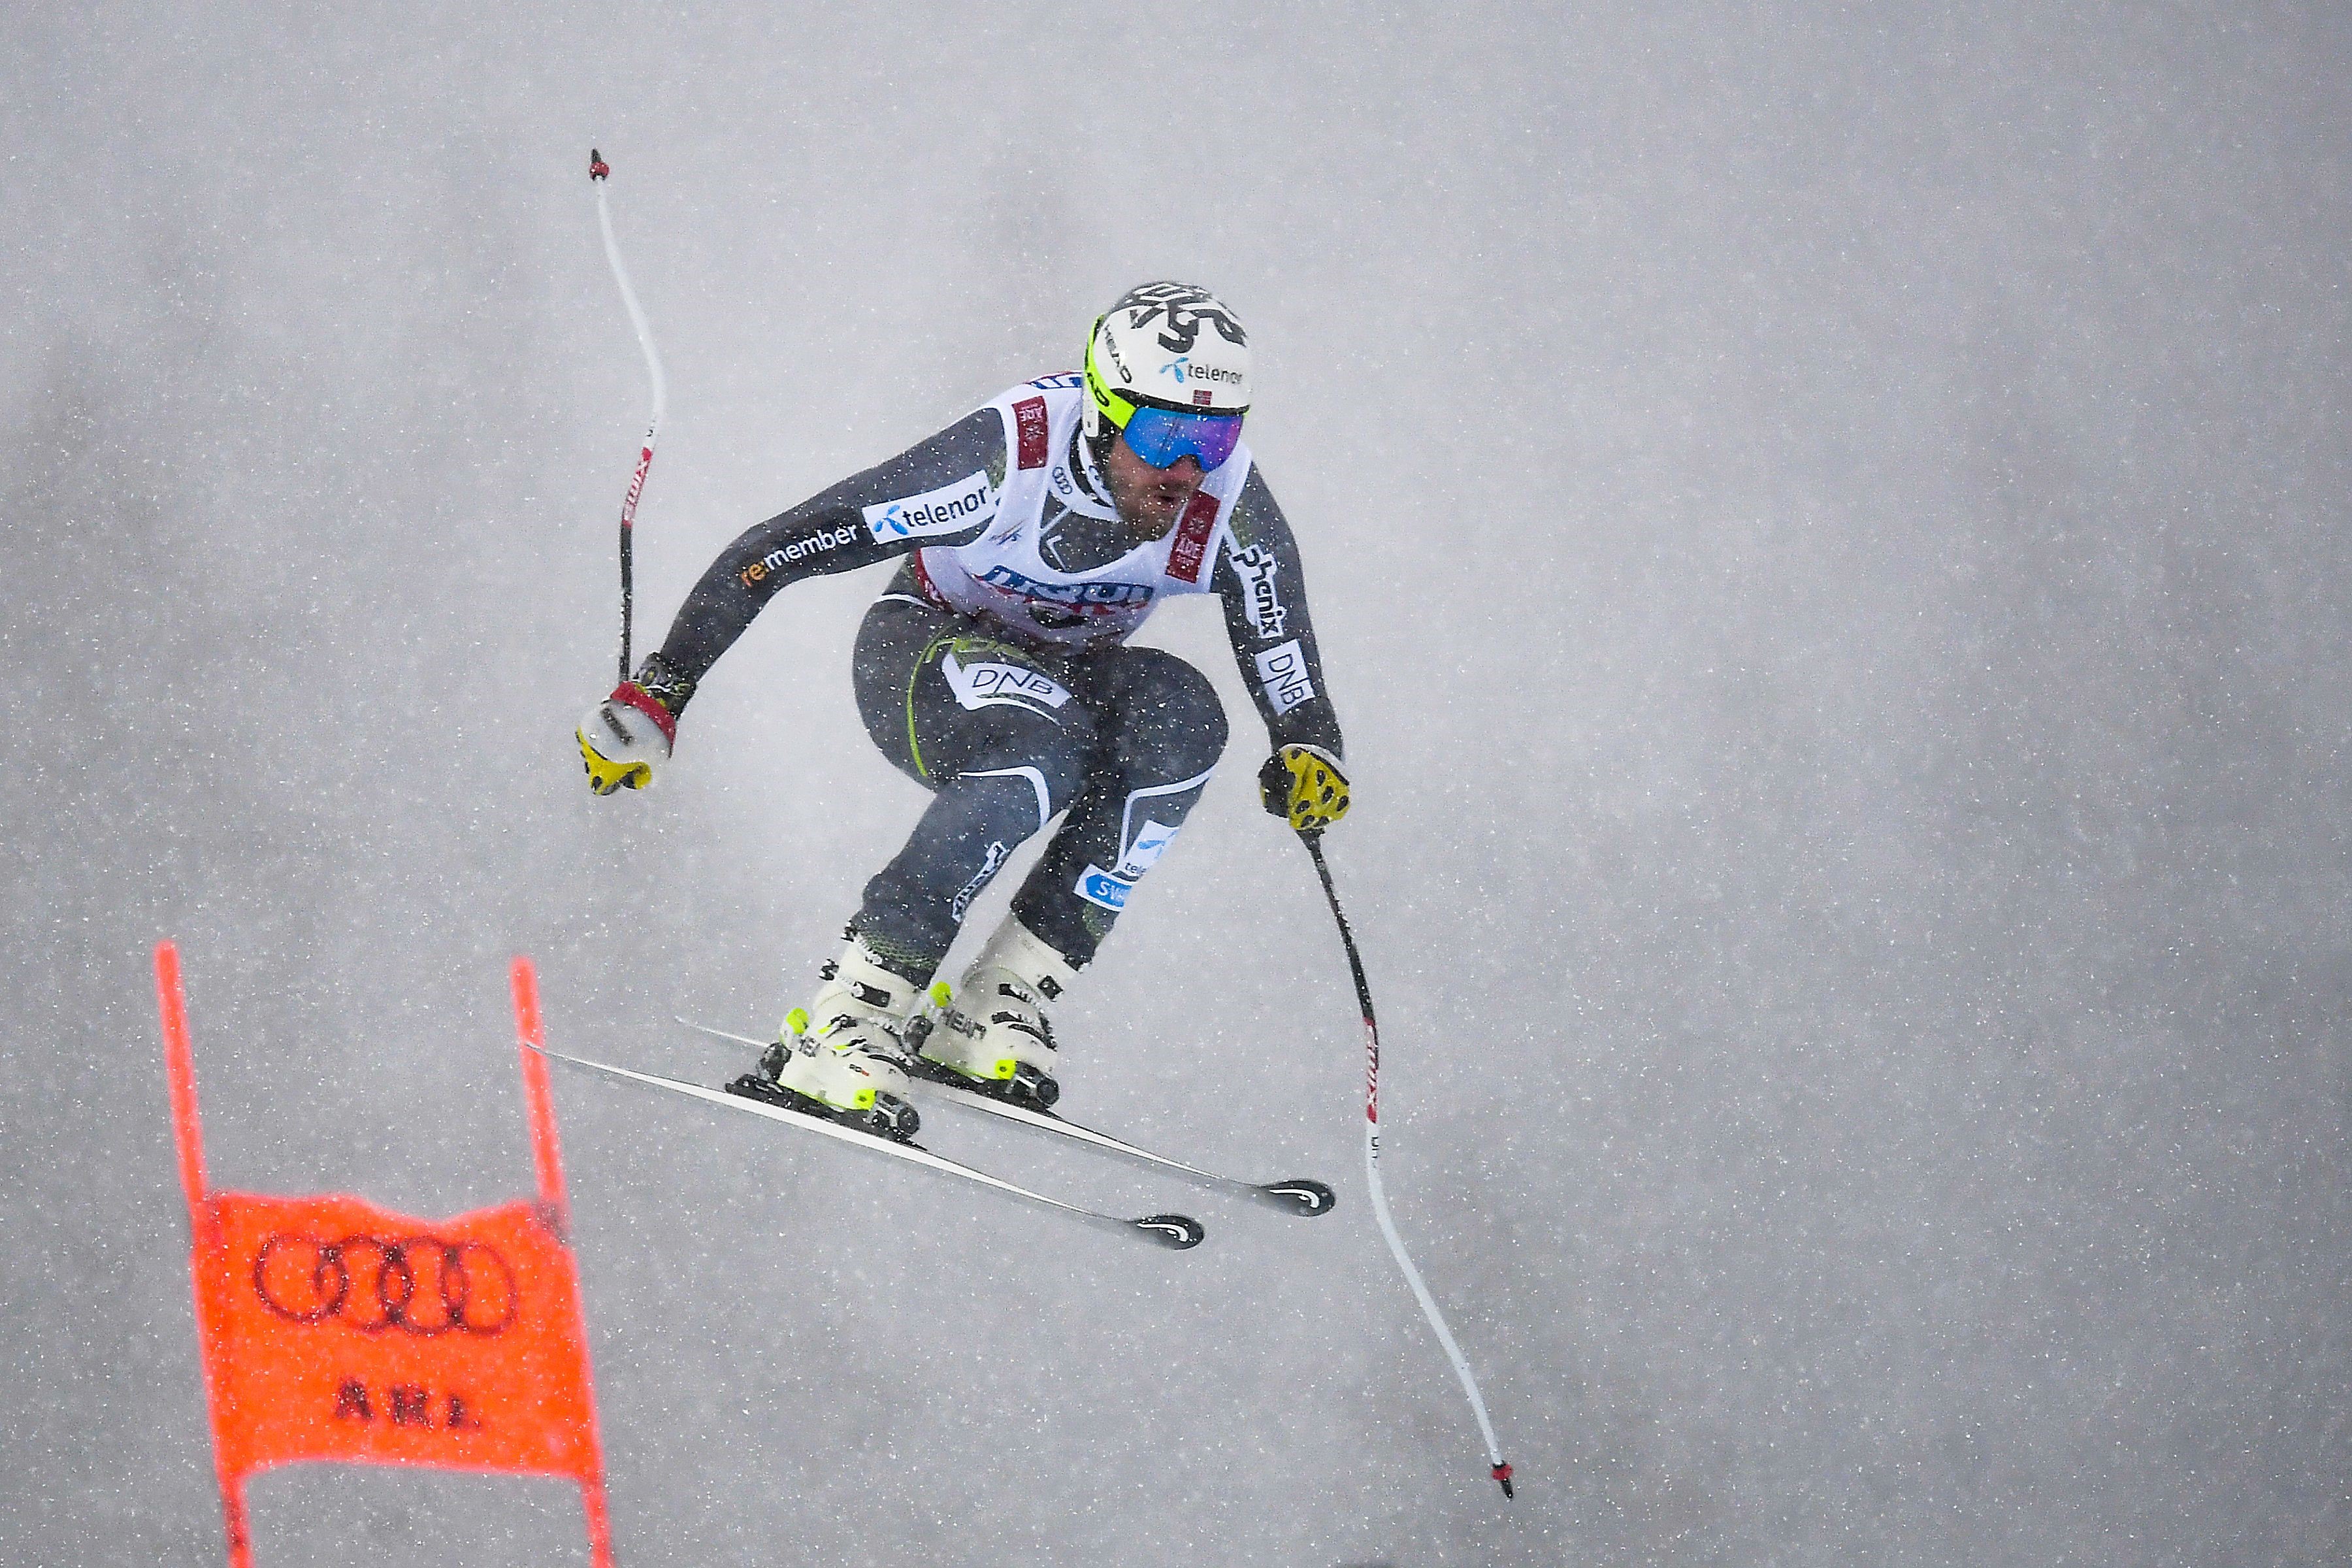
(626, 735)
(1304, 786)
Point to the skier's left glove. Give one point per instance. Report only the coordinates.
(1304, 786)
(626, 735)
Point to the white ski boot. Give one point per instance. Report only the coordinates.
(843, 1051)
(993, 1035)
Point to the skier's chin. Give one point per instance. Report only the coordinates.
(1158, 508)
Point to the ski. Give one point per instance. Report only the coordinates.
(1300, 1195)
(1175, 1231)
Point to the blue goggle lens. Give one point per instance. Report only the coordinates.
(1162, 436)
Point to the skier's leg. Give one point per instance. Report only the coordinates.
(993, 729)
(1158, 730)
(1002, 744)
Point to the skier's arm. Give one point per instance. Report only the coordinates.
(1265, 597)
(933, 485)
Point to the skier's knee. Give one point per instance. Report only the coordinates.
(1046, 781)
(1177, 725)
(1047, 752)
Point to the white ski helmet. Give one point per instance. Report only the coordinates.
(1177, 349)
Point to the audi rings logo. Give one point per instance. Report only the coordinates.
(421, 1285)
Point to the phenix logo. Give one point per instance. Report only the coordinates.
(1256, 567)
(950, 508)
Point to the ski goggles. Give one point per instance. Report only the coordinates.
(1162, 436)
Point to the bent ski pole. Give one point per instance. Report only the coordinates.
(1502, 1469)
(597, 171)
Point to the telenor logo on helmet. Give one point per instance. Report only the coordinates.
(1186, 369)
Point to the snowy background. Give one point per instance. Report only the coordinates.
(1828, 530)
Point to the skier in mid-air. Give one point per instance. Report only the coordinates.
(1038, 532)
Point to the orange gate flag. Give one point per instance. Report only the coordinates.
(331, 1328)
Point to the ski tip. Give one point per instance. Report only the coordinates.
(1300, 1195)
(1177, 1232)
(1502, 1474)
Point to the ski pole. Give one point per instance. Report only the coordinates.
(1502, 1469)
(597, 171)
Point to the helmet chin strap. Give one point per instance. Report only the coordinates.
(1092, 448)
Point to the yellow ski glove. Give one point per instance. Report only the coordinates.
(623, 737)
(1304, 786)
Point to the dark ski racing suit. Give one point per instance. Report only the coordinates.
(995, 667)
